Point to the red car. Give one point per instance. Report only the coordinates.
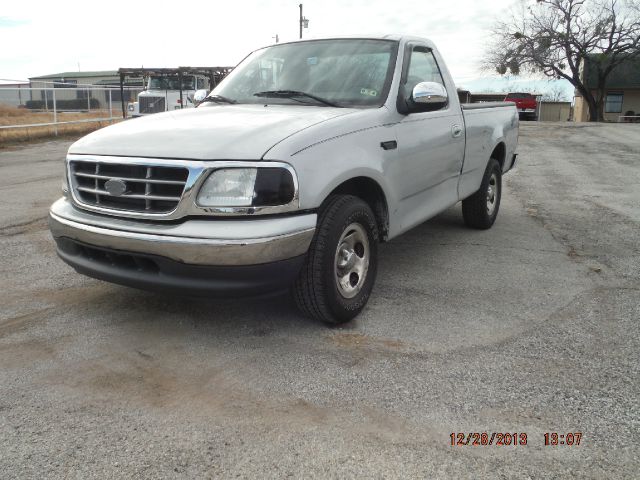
(525, 103)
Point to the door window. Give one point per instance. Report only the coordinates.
(422, 68)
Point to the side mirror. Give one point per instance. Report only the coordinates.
(430, 94)
(199, 96)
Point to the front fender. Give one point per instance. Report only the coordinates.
(325, 165)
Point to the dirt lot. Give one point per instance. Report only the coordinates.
(530, 327)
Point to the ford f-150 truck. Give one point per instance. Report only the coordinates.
(288, 175)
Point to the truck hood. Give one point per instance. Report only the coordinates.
(220, 132)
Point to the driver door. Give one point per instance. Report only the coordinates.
(430, 144)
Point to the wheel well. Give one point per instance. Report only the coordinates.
(370, 191)
(499, 153)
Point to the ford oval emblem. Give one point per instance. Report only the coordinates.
(115, 187)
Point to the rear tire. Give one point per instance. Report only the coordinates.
(481, 209)
(336, 281)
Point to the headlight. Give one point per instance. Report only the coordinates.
(228, 187)
(247, 187)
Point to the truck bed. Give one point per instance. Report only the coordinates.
(486, 125)
(481, 105)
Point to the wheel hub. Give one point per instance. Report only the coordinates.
(347, 257)
(352, 260)
(492, 191)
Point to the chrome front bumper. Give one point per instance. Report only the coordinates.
(212, 242)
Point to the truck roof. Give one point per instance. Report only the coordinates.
(369, 36)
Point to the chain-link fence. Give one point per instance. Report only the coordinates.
(53, 108)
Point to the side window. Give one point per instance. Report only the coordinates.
(422, 68)
(613, 103)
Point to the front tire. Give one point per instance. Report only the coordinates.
(481, 209)
(336, 281)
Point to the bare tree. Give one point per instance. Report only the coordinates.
(557, 37)
(552, 92)
(555, 93)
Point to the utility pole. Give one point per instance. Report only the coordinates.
(304, 22)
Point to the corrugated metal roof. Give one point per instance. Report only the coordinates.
(104, 73)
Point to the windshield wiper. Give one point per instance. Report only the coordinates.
(218, 99)
(294, 93)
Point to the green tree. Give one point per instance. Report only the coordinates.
(558, 37)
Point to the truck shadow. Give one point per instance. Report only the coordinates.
(258, 316)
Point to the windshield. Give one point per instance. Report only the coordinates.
(353, 72)
(171, 83)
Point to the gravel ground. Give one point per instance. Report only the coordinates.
(530, 327)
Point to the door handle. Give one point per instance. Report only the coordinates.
(456, 131)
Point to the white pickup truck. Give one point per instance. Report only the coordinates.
(163, 94)
(287, 176)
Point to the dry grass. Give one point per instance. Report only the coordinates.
(22, 116)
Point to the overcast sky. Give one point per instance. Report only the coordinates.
(42, 37)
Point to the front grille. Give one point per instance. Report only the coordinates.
(151, 104)
(148, 189)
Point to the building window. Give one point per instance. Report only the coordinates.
(63, 83)
(613, 103)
